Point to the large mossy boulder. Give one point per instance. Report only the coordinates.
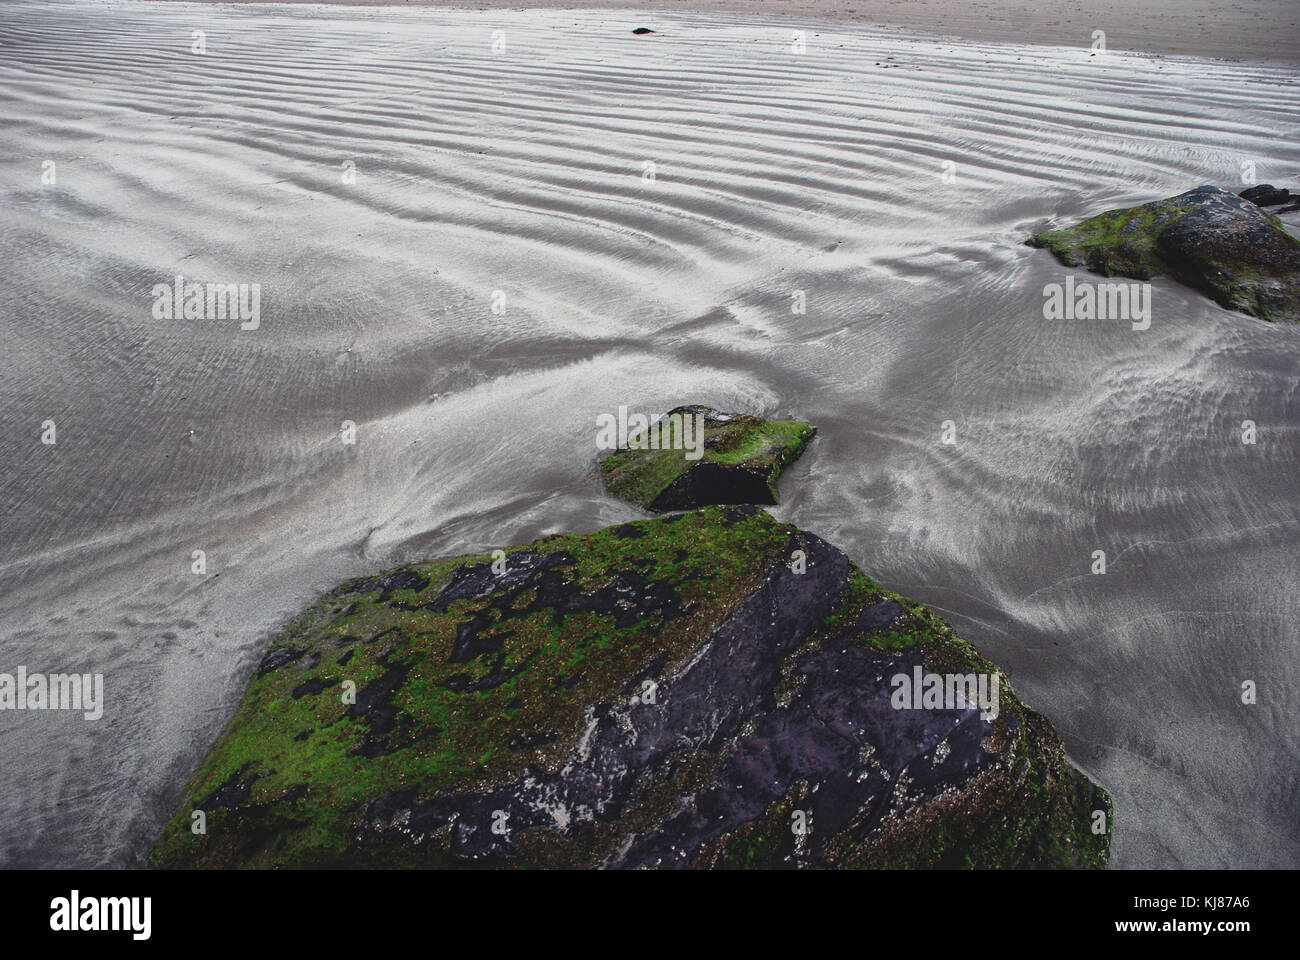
(1207, 238)
(709, 689)
(739, 461)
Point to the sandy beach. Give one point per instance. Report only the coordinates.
(388, 174)
(1245, 30)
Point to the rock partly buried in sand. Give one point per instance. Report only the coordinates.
(1207, 238)
(710, 689)
(738, 462)
(1266, 195)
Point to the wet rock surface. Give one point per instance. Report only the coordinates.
(712, 689)
(1266, 195)
(1221, 244)
(736, 460)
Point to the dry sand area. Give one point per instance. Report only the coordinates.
(382, 172)
(1246, 29)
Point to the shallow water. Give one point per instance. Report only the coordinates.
(522, 171)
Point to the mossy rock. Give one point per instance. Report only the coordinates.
(681, 691)
(1207, 238)
(739, 461)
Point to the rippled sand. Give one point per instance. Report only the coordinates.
(522, 171)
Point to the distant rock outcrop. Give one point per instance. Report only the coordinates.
(711, 689)
(1266, 195)
(1207, 238)
(673, 466)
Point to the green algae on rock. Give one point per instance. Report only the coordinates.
(1207, 238)
(741, 459)
(708, 689)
